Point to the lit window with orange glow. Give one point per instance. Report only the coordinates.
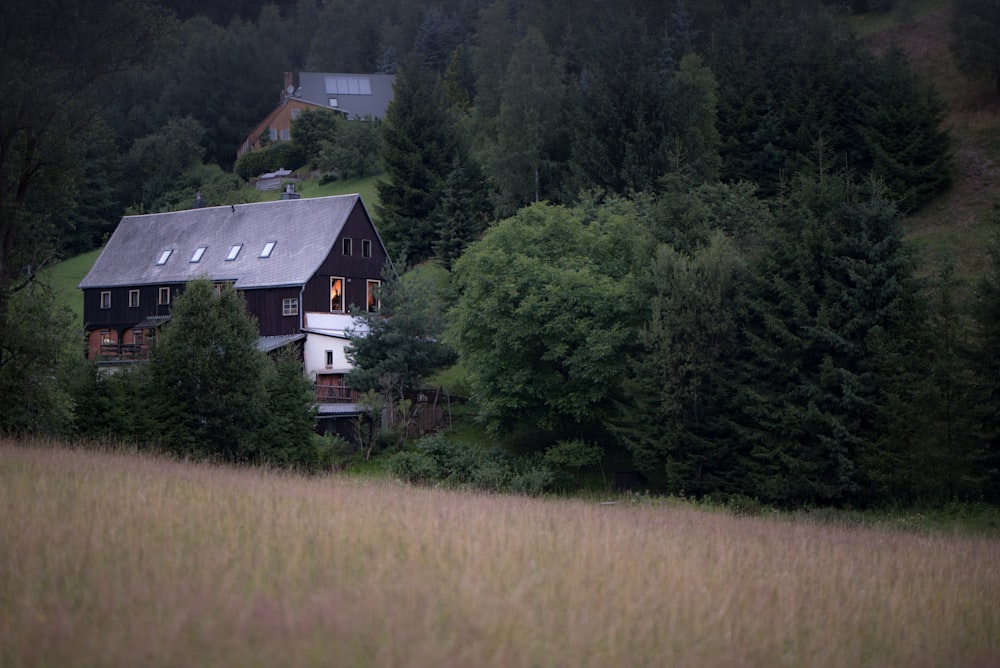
(336, 294)
(373, 287)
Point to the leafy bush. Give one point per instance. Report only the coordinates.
(534, 479)
(435, 458)
(413, 466)
(283, 155)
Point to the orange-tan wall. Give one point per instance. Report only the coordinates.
(279, 119)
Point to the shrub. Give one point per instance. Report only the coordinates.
(283, 155)
(412, 466)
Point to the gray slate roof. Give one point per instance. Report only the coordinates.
(305, 231)
(313, 88)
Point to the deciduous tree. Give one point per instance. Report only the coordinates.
(547, 309)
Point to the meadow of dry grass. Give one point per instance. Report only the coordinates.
(125, 559)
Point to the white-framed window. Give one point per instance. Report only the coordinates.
(163, 297)
(106, 337)
(198, 252)
(286, 134)
(106, 299)
(366, 247)
(329, 359)
(333, 102)
(137, 337)
(336, 294)
(133, 298)
(268, 249)
(164, 256)
(272, 134)
(290, 306)
(373, 301)
(296, 113)
(348, 246)
(234, 252)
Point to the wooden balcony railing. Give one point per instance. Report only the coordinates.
(123, 352)
(335, 394)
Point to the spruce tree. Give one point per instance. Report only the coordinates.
(987, 368)
(903, 133)
(674, 419)
(419, 144)
(832, 272)
(208, 376)
(525, 160)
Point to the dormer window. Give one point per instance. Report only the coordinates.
(164, 256)
(198, 252)
(233, 252)
(268, 248)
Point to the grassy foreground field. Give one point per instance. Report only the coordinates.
(124, 559)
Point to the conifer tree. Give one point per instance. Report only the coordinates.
(526, 157)
(975, 37)
(208, 376)
(903, 133)
(678, 396)
(987, 367)
(419, 144)
(832, 272)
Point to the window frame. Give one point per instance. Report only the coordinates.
(372, 297)
(234, 252)
(268, 249)
(341, 294)
(163, 297)
(289, 306)
(199, 253)
(329, 359)
(164, 256)
(347, 246)
(105, 299)
(133, 299)
(366, 248)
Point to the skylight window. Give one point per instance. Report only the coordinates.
(233, 252)
(198, 252)
(164, 256)
(268, 247)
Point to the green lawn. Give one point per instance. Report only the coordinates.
(366, 187)
(66, 275)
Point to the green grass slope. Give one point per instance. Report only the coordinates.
(65, 276)
(953, 226)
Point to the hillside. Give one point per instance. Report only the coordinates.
(954, 224)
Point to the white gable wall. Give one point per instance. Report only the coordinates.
(327, 332)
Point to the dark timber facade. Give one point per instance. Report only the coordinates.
(287, 258)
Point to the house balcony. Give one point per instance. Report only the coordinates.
(336, 394)
(122, 353)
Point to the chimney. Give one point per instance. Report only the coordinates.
(290, 192)
(289, 86)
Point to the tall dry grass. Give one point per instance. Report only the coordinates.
(117, 559)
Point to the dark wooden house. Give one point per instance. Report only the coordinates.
(288, 258)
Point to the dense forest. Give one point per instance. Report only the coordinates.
(670, 231)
